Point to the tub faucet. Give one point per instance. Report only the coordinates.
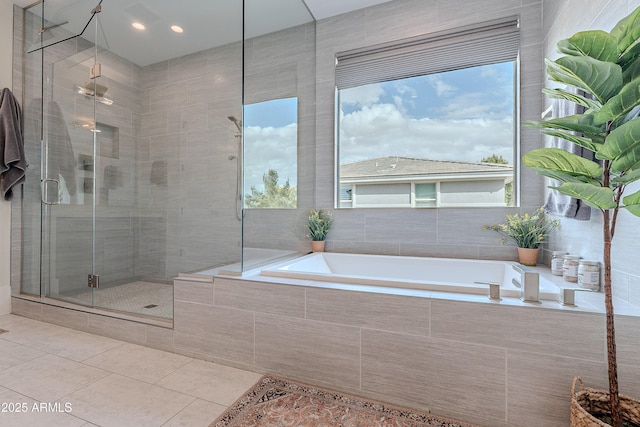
(494, 290)
(568, 295)
(529, 283)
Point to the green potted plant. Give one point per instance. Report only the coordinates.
(319, 223)
(528, 232)
(606, 66)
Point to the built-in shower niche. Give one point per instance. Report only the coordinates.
(110, 173)
(108, 140)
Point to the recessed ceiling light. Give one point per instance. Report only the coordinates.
(177, 29)
(138, 26)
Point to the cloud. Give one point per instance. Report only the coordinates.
(441, 87)
(476, 104)
(362, 95)
(382, 130)
(270, 148)
(404, 89)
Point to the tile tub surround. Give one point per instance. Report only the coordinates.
(493, 364)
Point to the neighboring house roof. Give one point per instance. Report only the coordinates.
(393, 167)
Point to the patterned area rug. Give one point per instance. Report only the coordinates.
(276, 402)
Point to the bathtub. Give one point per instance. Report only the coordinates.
(429, 274)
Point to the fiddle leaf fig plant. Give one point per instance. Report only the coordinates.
(605, 66)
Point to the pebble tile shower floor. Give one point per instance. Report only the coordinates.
(140, 297)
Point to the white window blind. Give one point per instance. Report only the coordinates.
(475, 45)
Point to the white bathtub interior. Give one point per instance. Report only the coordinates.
(429, 274)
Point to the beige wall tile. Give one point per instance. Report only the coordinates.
(522, 328)
(627, 339)
(540, 387)
(117, 328)
(160, 338)
(192, 291)
(369, 310)
(26, 308)
(318, 352)
(465, 379)
(439, 251)
(260, 297)
(217, 331)
(64, 317)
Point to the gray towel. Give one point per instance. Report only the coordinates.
(13, 164)
(558, 203)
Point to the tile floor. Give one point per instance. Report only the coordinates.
(55, 376)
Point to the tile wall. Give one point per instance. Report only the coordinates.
(584, 238)
(495, 364)
(492, 364)
(184, 107)
(441, 232)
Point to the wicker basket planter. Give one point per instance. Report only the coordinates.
(586, 401)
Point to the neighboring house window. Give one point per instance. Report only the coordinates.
(425, 195)
(440, 108)
(346, 196)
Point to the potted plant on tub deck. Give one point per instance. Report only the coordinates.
(528, 232)
(318, 226)
(605, 66)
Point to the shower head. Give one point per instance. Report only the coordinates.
(91, 89)
(237, 122)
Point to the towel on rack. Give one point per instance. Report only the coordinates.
(557, 203)
(13, 164)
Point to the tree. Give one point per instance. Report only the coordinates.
(495, 158)
(274, 195)
(607, 67)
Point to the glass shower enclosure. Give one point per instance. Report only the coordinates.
(136, 184)
(135, 135)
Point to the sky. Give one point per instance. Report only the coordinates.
(462, 115)
(270, 141)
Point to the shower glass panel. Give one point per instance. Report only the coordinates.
(138, 184)
(279, 99)
(68, 177)
(32, 240)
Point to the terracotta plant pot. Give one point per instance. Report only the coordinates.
(528, 256)
(317, 245)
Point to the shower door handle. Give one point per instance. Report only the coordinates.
(44, 191)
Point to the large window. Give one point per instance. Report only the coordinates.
(270, 153)
(431, 121)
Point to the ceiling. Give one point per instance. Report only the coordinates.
(325, 8)
(206, 23)
(320, 9)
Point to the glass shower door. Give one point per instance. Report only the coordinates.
(68, 171)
